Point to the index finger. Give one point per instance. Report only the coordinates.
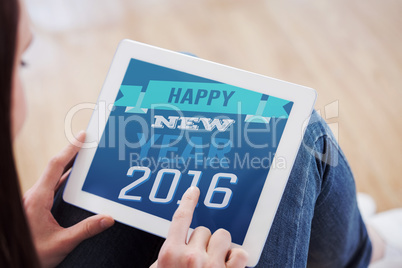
(183, 216)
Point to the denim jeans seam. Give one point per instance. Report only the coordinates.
(329, 185)
(298, 221)
(342, 157)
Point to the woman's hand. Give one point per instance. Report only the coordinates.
(52, 241)
(202, 249)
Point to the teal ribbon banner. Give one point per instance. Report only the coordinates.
(201, 97)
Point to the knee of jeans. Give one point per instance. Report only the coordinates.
(316, 127)
(319, 142)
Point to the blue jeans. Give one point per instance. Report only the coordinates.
(318, 223)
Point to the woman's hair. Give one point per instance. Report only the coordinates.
(16, 246)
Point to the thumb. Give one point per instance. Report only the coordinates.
(87, 228)
(154, 265)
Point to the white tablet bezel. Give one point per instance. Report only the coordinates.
(303, 99)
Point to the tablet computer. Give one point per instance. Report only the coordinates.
(165, 121)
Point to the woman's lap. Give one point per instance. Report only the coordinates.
(119, 246)
(317, 224)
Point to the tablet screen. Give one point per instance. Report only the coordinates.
(169, 130)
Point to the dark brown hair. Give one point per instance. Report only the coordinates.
(16, 246)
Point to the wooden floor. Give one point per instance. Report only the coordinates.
(348, 50)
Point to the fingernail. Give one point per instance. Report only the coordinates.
(106, 222)
(191, 189)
